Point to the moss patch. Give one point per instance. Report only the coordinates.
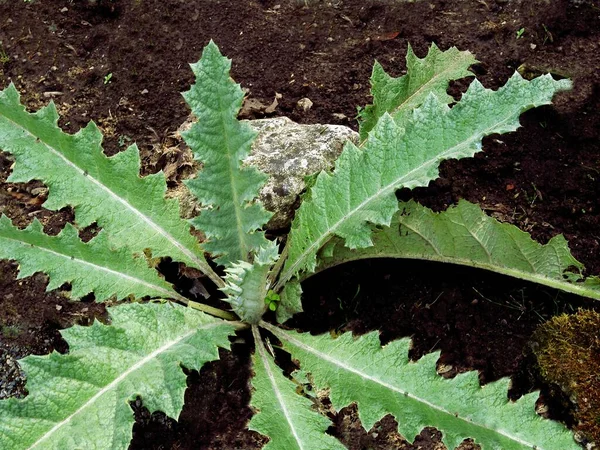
(568, 352)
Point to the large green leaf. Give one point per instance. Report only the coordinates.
(289, 419)
(424, 76)
(383, 381)
(92, 267)
(227, 190)
(361, 190)
(105, 190)
(80, 400)
(465, 235)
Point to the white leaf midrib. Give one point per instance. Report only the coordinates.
(234, 192)
(285, 336)
(437, 76)
(118, 380)
(112, 272)
(151, 224)
(391, 187)
(265, 361)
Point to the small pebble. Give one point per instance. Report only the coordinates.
(39, 191)
(304, 104)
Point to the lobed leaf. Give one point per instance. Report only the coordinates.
(92, 267)
(361, 190)
(465, 235)
(227, 190)
(80, 400)
(289, 419)
(383, 381)
(399, 96)
(108, 191)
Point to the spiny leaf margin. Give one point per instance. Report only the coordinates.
(88, 267)
(103, 190)
(465, 235)
(80, 400)
(382, 380)
(361, 190)
(431, 74)
(246, 284)
(227, 190)
(287, 418)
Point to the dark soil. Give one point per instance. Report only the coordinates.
(542, 178)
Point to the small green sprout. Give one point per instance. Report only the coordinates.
(107, 78)
(4, 58)
(520, 33)
(548, 36)
(272, 299)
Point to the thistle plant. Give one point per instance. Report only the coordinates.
(81, 399)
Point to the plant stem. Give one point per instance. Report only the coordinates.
(211, 310)
(216, 312)
(274, 273)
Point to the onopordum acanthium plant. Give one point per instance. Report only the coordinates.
(80, 399)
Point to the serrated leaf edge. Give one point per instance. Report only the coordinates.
(473, 145)
(120, 378)
(167, 292)
(260, 348)
(203, 265)
(574, 287)
(280, 333)
(234, 155)
(456, 63)
(412, 61)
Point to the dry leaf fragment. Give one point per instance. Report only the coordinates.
(271, 108)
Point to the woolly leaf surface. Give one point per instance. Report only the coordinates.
(383, 381)
(89, 267)
(108, 191)
(81, 399)
(465, 235)
(246, 284)
(290, 419)
(291, 301)
(398, 96)
(228, 191)
(361, 190)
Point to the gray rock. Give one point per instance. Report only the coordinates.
(287, 152)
